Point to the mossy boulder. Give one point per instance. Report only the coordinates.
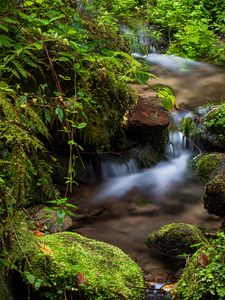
(206, 127)
(214, 195)
(208, 165)
(82, 268)
(175, 239)
(203, 276)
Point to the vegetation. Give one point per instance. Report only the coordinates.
(195, 29)
(64, 74)
(80, 268)
(203, 277)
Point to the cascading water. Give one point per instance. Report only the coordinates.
(122, 177)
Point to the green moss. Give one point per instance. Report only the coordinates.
(108, 272)
(214, 196)
(208, 165)
(5, 292)
(175, 239)
(204, 279)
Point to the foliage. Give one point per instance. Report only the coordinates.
(201, 281)
(195, 28)
(64, 75)
(81, 268)
(62, 208)
(119, 8)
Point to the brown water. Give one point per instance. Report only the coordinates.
(127, 222)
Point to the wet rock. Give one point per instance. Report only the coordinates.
(81, 268)
(174, 239)
(205, 127)
(46, 219)
(208, 165)
(147, 117)
(214, 195)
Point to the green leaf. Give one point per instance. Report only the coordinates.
(167, 97)
(30, 278)
(5, 41)
(38, 283)
(80, 125)
(60, 215)
(38, 45)
(59, 113)
(47, 115)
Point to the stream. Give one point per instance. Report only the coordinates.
(131, 203)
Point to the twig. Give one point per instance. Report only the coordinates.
(53, 71)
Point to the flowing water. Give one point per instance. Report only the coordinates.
(136, 202)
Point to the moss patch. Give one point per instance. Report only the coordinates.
(85, 269)
(175, 239)
(208, 165)
(214, 195)
(204, 274)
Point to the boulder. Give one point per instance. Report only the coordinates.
(208, 165)
(70, 265)
(175, 239)
(214, 195)
(205, 127)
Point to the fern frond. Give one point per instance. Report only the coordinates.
(37, 122)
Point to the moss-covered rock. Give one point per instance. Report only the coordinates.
(208, 165)
(214, 195)
(203, 276)
(82, 268)
(206, 127)
(175, 239)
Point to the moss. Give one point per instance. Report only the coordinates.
(203, 277)
(206, 166)
(175, 239)
(107, 272)
(5, 289)
(214, 196)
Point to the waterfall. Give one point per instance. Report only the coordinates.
(114, 167)
(121, 177)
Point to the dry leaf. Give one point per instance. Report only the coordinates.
(81, 278)
(38, 233)
(203, 259)
(45, 249)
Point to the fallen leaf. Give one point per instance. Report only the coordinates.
(38, 233)
(203, 259)
(81, 278)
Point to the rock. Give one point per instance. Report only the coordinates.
(208, 165)
(174, 239)
(214, 195)
(82, 268)
(205, 127)
(146, 128)
(47, 219)
(147, 117)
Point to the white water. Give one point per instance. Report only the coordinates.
(122, 177)
(174, 63)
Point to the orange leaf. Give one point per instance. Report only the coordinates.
(38, 233)
(81, 278)
(203, 259)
